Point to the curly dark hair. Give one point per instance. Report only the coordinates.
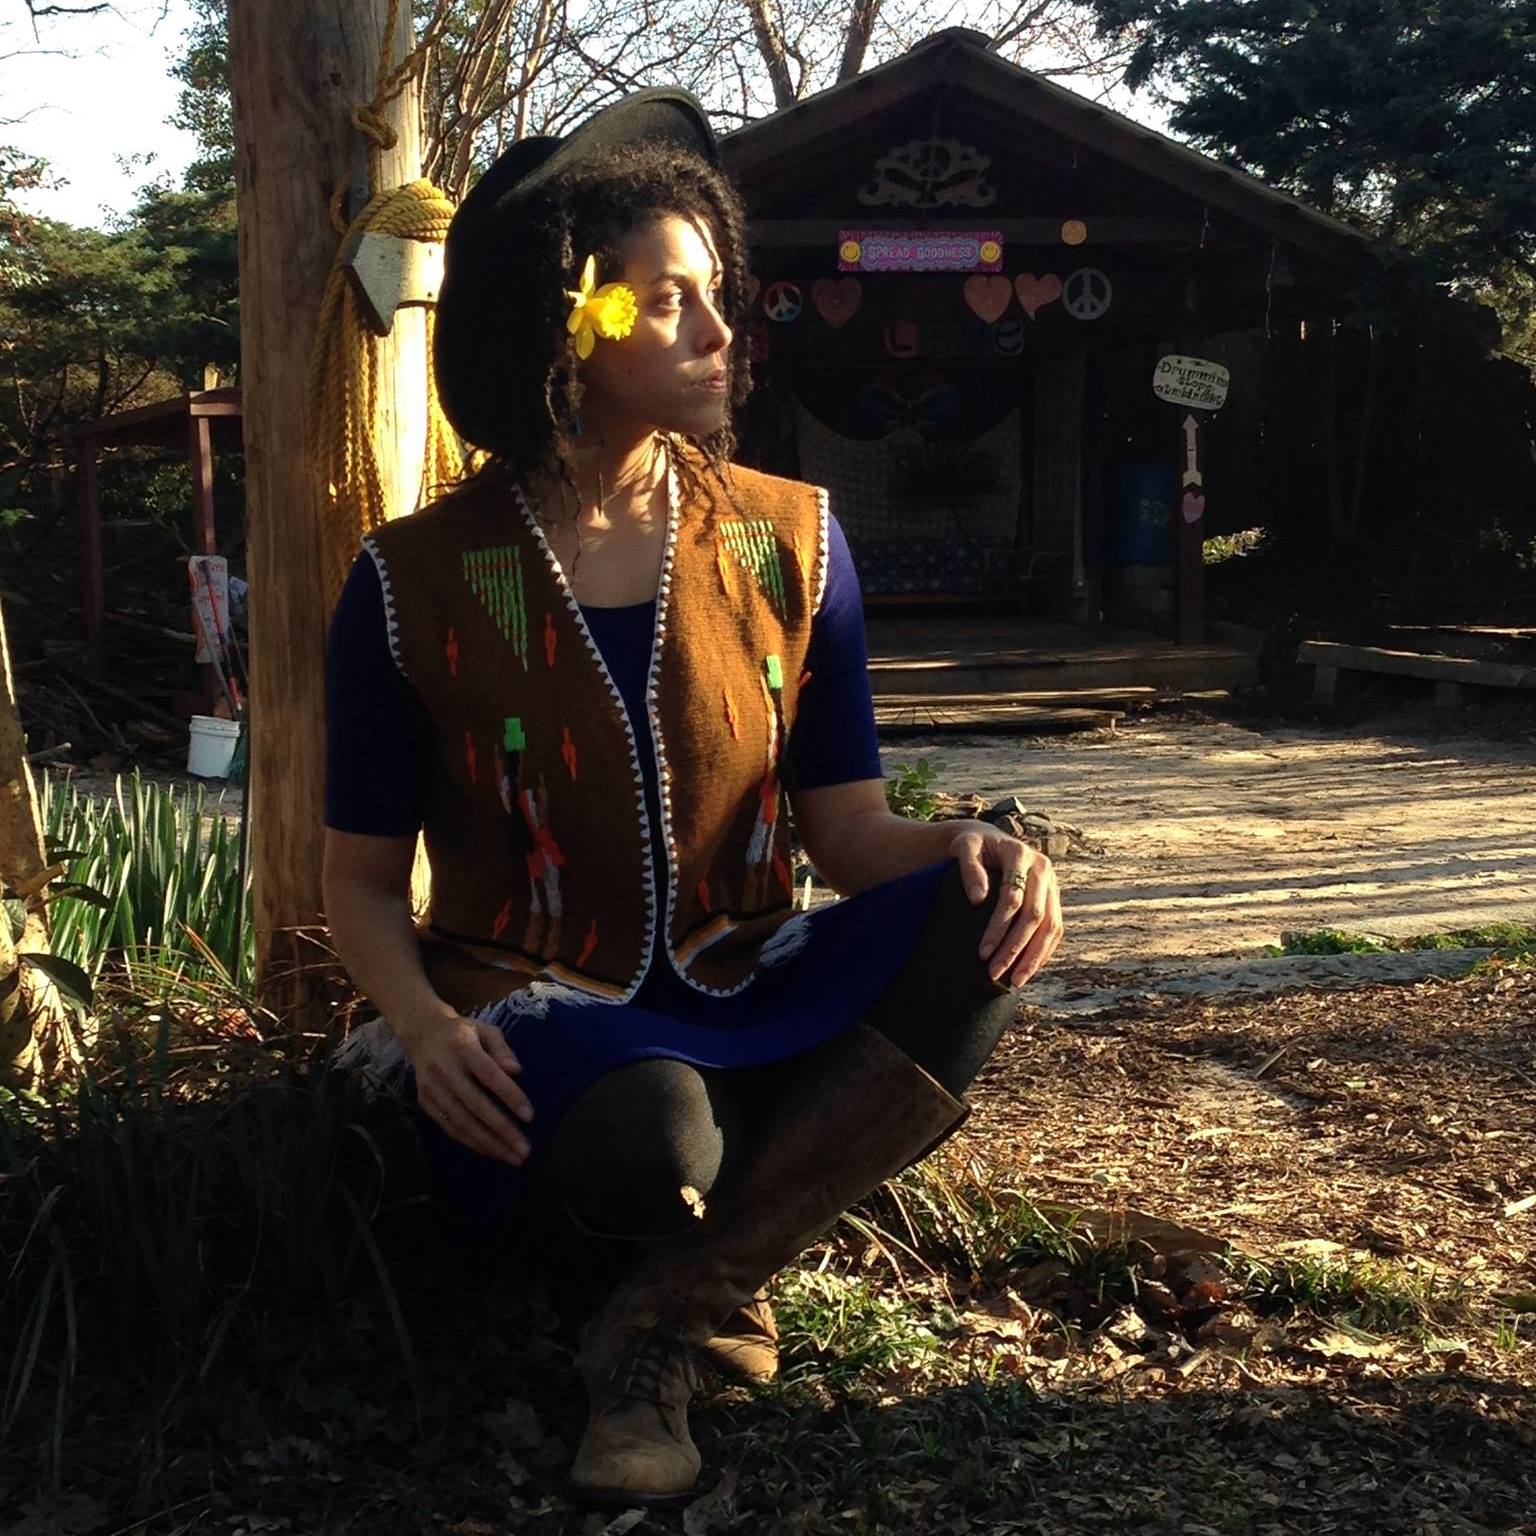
(590, 210)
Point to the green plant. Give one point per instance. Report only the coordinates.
(1371, 1294)
(1329, 941)
(840, 1328)
(952, 1213)
(145, 1225)
(1232, 546)
(152, 884)
(909, 789)
(1513, 941)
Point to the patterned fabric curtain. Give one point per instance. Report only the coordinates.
(920, 516)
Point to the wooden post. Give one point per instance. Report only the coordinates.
(298, 69)
(200, 453)
(1189, 505)
(200, 461)
(90, 544)
(25, 1011)
(1189, 530)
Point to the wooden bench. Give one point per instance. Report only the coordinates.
(1451, 675)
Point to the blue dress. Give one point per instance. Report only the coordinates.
(836, 960)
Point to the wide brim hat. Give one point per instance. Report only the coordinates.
(485, 306)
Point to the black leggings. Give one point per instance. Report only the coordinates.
(638, 1135)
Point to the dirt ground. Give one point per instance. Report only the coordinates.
(1218, 836)
(1365, 1152)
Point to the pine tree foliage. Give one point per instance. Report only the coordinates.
(1413, 118)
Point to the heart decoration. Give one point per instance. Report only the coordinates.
(1193, 506)
(988, 295)
(836, 299)
(754, 287)
(1036, 292)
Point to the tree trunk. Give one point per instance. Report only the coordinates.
(298, 68)
(770, 44)
(28, 1008)
(861, 26)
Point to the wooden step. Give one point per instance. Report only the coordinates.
(1174, 671)
(902, 715)
(1436, 668)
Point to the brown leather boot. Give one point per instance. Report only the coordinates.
(860, 1112)
(637, 1449)
(746, 1345)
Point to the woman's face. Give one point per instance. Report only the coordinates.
(672, 372)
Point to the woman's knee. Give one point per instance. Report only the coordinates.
(636, 1145)
(951, 937)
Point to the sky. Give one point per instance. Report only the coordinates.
(87, 91)
(91, 95)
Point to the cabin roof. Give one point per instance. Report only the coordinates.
(962, 61)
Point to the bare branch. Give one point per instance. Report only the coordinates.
(770, 45)
(1023, 21)
(861, 23)
(37, 11)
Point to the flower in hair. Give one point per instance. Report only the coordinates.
(608, 311)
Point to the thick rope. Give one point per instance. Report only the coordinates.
(344, 368)
(343, 390)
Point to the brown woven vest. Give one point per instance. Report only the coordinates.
(536, 826)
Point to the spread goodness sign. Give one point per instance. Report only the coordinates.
(1191, 381)
(919, 250)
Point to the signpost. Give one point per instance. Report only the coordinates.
(1195, 385)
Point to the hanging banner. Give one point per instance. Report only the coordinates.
(919, 250)
(1191, 381)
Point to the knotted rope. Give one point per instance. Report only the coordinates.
(344, 367)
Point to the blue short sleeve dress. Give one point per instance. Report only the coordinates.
(831, 962)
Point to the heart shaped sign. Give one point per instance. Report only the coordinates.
(1036, 292)
(988, 295)
(836, 299)
(1193, 506)
(754, 287)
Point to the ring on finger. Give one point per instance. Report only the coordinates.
(1018, 880)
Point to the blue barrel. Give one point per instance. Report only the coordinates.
(1140, 528)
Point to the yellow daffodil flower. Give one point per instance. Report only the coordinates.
(608, 311)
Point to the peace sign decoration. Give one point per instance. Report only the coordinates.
(1086, 294)
(782, 302)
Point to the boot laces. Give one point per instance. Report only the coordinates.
(643, 1367)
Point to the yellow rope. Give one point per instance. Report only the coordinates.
(343, 390)
(344, 368)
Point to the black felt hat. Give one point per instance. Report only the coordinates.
(487, 304)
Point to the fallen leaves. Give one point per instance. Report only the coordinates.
(716, 1511)
(618, 1526)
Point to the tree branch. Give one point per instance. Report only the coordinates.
(770, 46)
(861, 26)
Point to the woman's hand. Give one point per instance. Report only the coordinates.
(464, 1081)
(1026, 927)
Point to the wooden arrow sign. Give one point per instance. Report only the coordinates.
(1192, 475)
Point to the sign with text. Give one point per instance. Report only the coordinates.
(1191, 381)
(919, 250)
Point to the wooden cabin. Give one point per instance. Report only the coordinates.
(1038, 352)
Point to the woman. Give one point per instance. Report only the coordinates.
(593, 675)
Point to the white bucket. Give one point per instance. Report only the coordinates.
(212, 746)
